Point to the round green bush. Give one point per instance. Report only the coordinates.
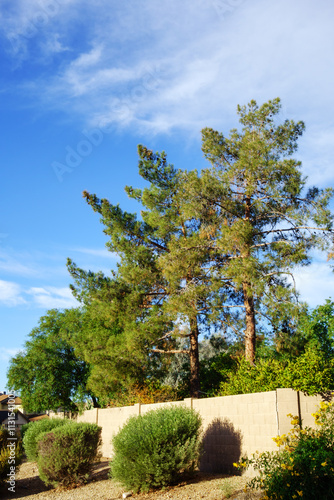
(67, 453)
(32, 432)
(156, 449)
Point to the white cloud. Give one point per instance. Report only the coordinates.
(87, 61)
(36, 264)
(11, 262)
(159, 67)
(209, 60)
(104, 253)
(27, 17)
(315, 283)
(84, 76)
(6, 354)
(48, 297)
(52, 297)
(10, 294)
(53, 45)
(317, 152)
(48, 278)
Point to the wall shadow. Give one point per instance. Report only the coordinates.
(221, 447)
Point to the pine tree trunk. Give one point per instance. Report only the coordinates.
(250, 332)
(194, 359)
(95, 402)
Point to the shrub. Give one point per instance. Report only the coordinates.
(10, 456)
(304, 466)
(4, 435)
(310, 372)
(24, 429)
(67, 454)
(32, 432)
(155, 449)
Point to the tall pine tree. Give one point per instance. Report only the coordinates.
(261, 223)
(158, 306)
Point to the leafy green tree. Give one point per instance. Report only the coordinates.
(301, 358)
(315, 328)
(47, 374)
(216, 360)
(260, 223)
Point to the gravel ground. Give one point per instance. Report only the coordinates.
(203, 486)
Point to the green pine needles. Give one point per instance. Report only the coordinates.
(156, 449)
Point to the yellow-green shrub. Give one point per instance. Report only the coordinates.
(304, 466)
(311, 372)
(154, 450)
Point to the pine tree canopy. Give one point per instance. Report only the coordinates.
(210, 251)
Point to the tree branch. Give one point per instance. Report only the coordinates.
(173, 351)
(295, 228)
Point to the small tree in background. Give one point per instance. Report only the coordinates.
(47, 374)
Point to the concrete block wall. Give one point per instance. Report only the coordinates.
(233, 426)
(118, 417)
(146, 408)
(308, 405)
(236, 426)
(111, 420)
(89, 416)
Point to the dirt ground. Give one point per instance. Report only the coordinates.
(203, 486)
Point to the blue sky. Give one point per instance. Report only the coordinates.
(83, 83)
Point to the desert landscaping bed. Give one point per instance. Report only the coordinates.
(203, 486)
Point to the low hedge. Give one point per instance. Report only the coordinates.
(67, 453)
(32, 432)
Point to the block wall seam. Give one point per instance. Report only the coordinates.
(299, 412)
(277, 414)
